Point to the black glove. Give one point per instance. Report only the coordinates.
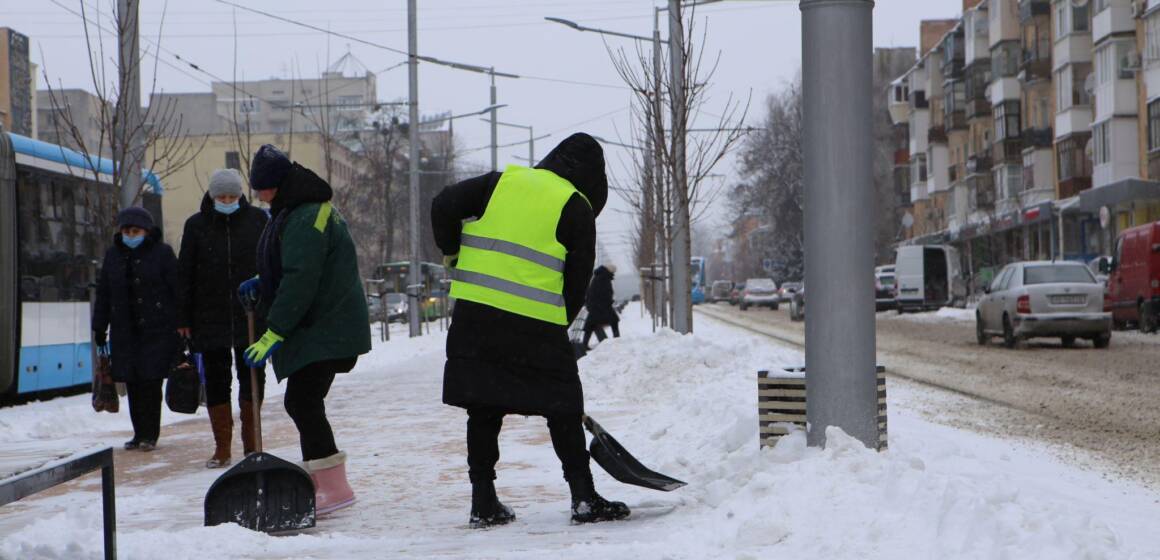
(100, 338)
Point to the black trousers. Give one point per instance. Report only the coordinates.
(306, 391)
(483, 426)
(145, 409)
(599, 331)
(218, 381)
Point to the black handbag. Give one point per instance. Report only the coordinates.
(105, 397)
(183, 387)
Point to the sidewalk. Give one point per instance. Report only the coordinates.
(685, 406)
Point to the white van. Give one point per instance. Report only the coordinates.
(928, 277)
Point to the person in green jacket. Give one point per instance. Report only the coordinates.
(309, 290)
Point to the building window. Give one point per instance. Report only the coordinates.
(1100, 141)
(1005, 60)
(1007, 125)
(1100, 5)
(1063, 98)
(1062, 18)
(1072, 160)
(1152, 38)
(919, 171)
(349, 102)
(1154, 125)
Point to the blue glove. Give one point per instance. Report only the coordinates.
(258, 352)
(249, 292)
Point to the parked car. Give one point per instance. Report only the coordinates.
(787, 289)
(1134, 278)
(720, 291)
(928, 277)
(884, 285)
(1044, 299)
(760, 291)
(735, 294)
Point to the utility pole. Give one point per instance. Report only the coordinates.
(839, 231)
(658, 133)
(413, 134)
(494, 128)
(681, 286)
(129, 130)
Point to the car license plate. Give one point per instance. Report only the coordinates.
(1070, 299)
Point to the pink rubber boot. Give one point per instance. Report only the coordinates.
(331, 490)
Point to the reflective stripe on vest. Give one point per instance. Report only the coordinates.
(509, 258)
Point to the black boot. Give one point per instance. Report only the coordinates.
(590, 507)
(486, 509)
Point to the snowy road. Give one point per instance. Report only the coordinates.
(1101, 407)
(686, 406)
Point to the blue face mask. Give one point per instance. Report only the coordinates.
(131, 241)
(226, 209)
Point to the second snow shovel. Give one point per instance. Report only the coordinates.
(262, 492)
(618, 462)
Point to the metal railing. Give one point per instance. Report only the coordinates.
(59, 472)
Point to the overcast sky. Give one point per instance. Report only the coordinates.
(759, 42)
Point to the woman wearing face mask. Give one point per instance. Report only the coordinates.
(136, 300)
(218, 251)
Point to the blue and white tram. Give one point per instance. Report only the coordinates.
(57, 218)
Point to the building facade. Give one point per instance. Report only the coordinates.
(17, 103)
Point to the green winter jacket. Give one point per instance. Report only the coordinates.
(319, 306)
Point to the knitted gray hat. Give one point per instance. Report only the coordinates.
(225, 182)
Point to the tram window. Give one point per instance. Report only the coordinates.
(48, 289)
(29, 288)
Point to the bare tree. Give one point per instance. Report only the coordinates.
(164, 134)
(772, 167)
(658, 201)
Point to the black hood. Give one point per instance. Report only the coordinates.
(207, 207)
(301, 186)
(580, 160)
(601, 271)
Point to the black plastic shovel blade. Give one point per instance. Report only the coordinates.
(262, 493)
(618, 462)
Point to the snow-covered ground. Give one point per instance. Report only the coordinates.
(686, 406)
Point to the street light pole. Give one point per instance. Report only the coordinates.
(413, 136)
(531, 140)
(681, 246)
(839, 241)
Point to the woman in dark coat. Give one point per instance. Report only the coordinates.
(599, 302)
(500, 362)
(137, 302)
(219, 251)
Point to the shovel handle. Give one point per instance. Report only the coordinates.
(255, 402)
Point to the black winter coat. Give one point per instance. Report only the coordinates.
(500, 359)
(137, 304)
(599, 301)
(218, 252)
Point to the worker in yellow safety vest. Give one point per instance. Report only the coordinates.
(520, 246)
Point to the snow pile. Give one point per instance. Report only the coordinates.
(945, 314)
(685, 406)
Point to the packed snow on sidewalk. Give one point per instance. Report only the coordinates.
(685, 406)
(942, 315)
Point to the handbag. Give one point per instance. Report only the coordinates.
(183, 387)
(105, 397)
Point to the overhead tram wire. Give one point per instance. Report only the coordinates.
(479, 69)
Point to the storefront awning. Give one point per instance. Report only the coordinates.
(1118, 193)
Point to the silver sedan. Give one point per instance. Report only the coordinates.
(1044, 299)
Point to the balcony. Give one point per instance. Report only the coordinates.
(1035, 65)
(1033, 8)
(1009, 151)
(979, 164)
(954, 174)
(955, 120)
(936, 135)
(978, 107)
(1071, 187)
(981, 190)
(1037, 138)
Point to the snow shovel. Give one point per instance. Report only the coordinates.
(618, 462)
(262, 492)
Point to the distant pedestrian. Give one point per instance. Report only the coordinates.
(521, 268)
(312, 297)
(136, 310)
(600, 304)
(218, 251)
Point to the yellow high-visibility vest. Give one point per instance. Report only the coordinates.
(510, 258)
